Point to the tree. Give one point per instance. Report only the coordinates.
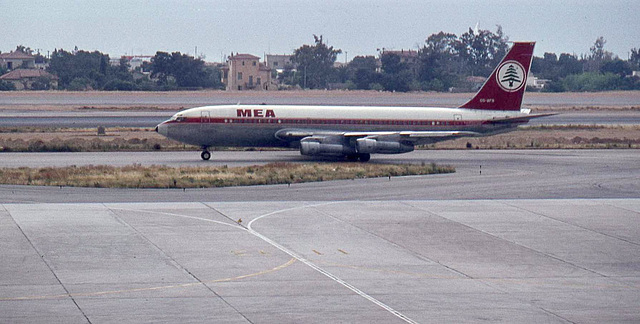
(391, 63)
(616, 66)
(186, 71)
(363, 62)
(598, 55)
(86, 68)
(481, 52)
(569, 64)
(597, 50)
(23, 49)
(395, 74)
(440, 61)
(634, 58)
(161, 67)
(315, 63)
(442, 44)
(362, 72)
(82, 70)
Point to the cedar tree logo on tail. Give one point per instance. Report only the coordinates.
(511, 76)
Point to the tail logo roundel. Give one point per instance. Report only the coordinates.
(511, 76)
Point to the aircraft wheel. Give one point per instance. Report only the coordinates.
(364, 157)
(205, 155)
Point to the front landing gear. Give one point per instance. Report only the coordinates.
(205, 155)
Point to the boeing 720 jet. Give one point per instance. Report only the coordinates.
(356, 132)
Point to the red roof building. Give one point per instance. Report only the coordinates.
(245, 72)
(16, 60)
(23, 79)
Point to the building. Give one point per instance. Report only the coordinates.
(16, 60)
(135, 61)
(535, 82)
(24, 79)
(245, 72)
(280, 62)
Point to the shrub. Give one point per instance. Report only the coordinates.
(7, 86)
(119, 85)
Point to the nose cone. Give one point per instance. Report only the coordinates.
(163, 129)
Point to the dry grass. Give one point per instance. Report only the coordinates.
(137, 176)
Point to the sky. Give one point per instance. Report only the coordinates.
(217, 28)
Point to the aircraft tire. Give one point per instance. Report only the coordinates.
(364, 157)
(205, 155)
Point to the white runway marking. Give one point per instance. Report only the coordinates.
(319, 269)
(182, 216)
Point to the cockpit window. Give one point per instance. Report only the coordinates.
(178, 118)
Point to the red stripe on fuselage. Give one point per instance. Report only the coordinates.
(317, 121)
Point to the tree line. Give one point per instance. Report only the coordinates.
(443, 63)
(82, 70)
(446, 60)
(597, 71)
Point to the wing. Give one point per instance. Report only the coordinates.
(413, 137)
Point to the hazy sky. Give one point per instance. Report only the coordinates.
(119, 27)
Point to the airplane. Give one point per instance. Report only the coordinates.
(356, 132)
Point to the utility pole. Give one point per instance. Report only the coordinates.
(305, 77)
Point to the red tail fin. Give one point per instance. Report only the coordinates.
(505, 87)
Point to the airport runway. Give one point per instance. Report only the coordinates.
(538, 236)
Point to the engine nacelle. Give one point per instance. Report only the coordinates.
(318, 146)
(370, 145)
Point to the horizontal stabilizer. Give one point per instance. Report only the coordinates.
(519, 119)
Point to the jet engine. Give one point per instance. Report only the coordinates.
(371, 145)
(324, 145)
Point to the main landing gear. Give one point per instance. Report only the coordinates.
(363, 157)
(205, 155)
